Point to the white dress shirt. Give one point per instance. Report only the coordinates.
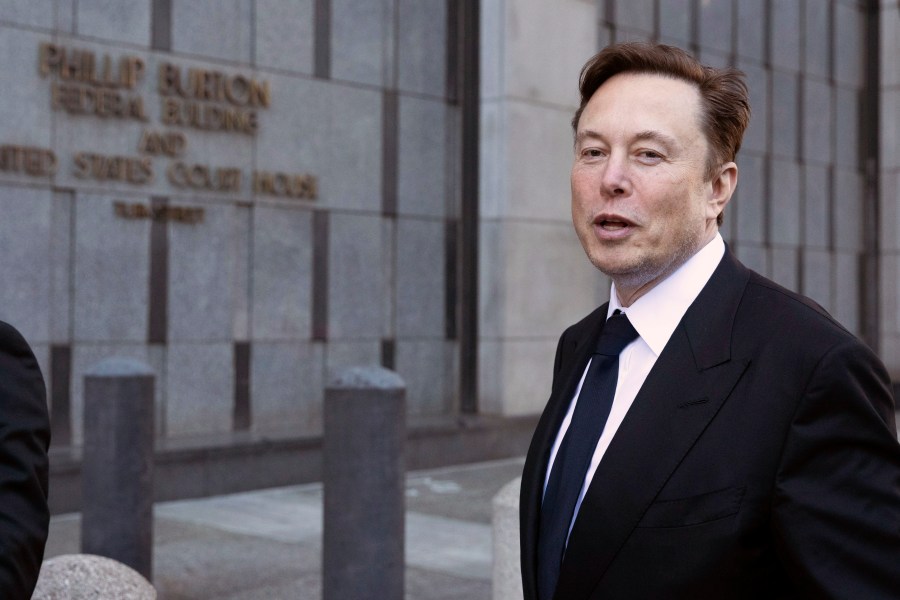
(655, 315)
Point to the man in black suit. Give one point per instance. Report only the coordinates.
(24, 439)
(724, 437)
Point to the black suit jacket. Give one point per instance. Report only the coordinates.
(759, 460)
(24, 439)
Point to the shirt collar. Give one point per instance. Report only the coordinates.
(656, 314)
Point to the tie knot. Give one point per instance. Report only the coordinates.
(617, 333)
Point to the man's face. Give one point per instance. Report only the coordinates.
(640, 204)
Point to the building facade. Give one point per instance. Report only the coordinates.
(248, 195)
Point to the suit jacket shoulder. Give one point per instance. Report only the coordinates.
(741, 463)
(24, 440)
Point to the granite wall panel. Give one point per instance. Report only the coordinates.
(748, 204)
(422, 46)
(34, 13)
(201, 271)
(675, 21)
(846, 295)
(26, 96)
(111, 273)
(533, 180)
(60, 294)
(785, 114)
(756, 137)
(638, 14)
(355, 299)
(241, 237)
(284, 35)
(889, 223)
(361, 47)
(817, 38)
(889, 272)
(784, 202)
(420, 278)
(546, 44)
(423, 181)
(422, 365)
(123, 22)
(281, 274)
(751, 31)
(889, 132)
(847, 210)
(818, 117)
(199, 393)
(785, 19)
(754, 256)
(817, 280)
(330, 130)
(218, 29)
(715, 30)
(492, 294)
(340, 354)
(25, 260)
(519, 382)
(890, 45)
(847, 44)
(287, 383)
(784, 261)
(846, 132)
(816, 207)
(561, 285)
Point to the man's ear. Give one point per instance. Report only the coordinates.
(722, 187)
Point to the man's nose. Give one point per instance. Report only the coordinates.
(616, 177)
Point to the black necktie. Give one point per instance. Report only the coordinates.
(577, 448)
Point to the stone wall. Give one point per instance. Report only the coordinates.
(799, 212)
(242, 296)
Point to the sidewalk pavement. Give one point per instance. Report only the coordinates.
(267, 544)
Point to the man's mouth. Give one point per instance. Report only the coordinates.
(613, 225)
(610, 222)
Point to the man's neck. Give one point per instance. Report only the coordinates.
(629, 294)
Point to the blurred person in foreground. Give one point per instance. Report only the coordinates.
(709, 433)
(24, 439)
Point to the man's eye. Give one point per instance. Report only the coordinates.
(650, 156)
(593, 152)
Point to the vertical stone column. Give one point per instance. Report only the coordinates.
(534, 279)
(365, 430)
(507, 574)
(117, 468)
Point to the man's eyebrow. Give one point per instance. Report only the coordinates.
(657, 136)
(648, 134)
(586, 134)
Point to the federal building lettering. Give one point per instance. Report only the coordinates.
(88, 84)
(190, 99)
(83, 67)
(27, 160)
(135, 170)
(211, 100)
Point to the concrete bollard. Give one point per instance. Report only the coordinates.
(364, 470)
(507, 568)
(117, 465)
(88, 577)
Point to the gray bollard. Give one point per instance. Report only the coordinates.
(364, 470)
(89, 577)
(117, 465)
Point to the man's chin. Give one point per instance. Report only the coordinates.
(628, 274)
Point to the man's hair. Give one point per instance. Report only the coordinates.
(723, 93)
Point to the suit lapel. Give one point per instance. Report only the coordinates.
(687, 386)
(575, 358)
